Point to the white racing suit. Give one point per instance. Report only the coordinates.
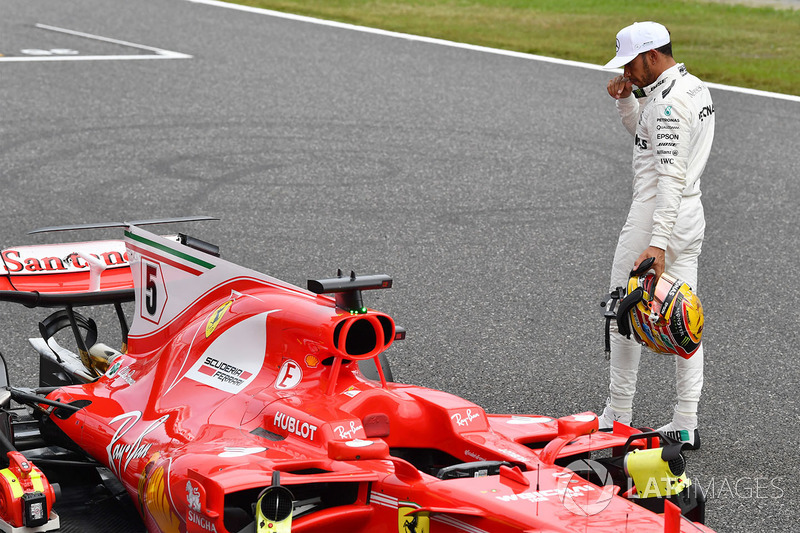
(672, 121)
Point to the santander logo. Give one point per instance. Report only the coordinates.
(61, 258)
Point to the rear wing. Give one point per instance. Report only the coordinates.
(55, 275)
(69, 275)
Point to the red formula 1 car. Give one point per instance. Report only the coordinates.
(237, 403)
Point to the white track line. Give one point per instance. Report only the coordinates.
(453, 44)
(158, 53)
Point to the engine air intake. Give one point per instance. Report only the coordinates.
(363, 336)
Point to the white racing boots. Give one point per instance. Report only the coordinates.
(683, 427)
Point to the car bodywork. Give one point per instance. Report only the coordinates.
(237, 403)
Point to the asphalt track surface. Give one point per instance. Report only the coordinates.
(491, 188)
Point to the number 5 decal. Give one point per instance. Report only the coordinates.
(153, 292)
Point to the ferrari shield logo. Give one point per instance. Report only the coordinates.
(412, 523)
(216, 316)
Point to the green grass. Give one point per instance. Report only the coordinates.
(750, 47)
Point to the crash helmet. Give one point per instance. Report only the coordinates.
(665, 314)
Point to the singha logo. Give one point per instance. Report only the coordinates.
(192, 497)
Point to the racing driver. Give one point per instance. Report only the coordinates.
(671, 117)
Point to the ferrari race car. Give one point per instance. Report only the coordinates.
(240, 403)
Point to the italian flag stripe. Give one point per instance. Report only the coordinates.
(167, 249)
(166, 260)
